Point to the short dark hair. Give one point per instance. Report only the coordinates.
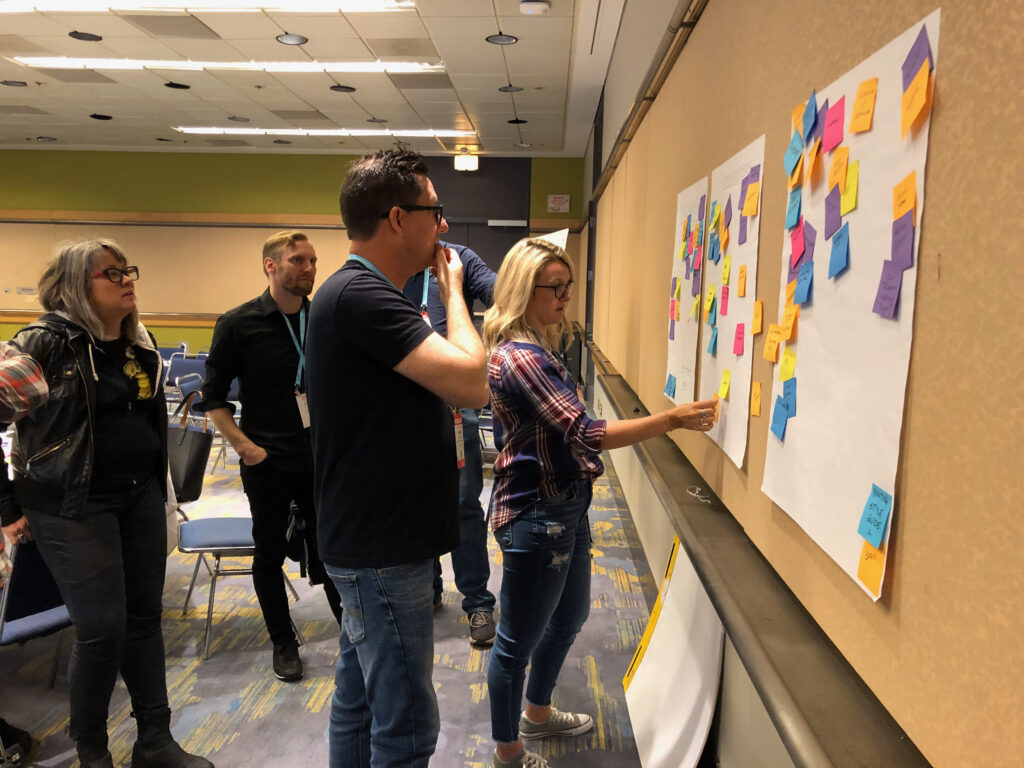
(375, 184)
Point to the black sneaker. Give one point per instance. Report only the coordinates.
(481, 628)
(287, 664)
(16, 741)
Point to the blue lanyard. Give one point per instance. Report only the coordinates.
(426, 289)
(298, 342)
(369, 265)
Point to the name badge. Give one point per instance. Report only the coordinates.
(300, 400)
(460, 446)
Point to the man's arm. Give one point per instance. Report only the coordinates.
(247, 450)
(478, 279)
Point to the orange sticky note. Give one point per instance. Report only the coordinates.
(771, 343)
(753, 195)
(871, 566)
(741, 282)
(789, 318)
(864, 106)
(798, 118)
(725, 237)
(914, 98)
(715, 397)
(790, 292)
(755, 398)
(904, 196)
(797, 175)
(755, 325)
(813, 162)
(837, 171)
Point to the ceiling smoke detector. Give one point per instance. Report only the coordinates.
(534, 7)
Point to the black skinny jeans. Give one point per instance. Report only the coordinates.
(110, 566)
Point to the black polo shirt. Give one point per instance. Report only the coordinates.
(252, 343)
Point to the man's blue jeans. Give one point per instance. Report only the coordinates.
(545, 599)
(384, 712)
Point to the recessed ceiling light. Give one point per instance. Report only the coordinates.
(14, 83)
(176, 86)
(289, 38)
(376, 120)
(522, 145)
(160, 138)
(46, 138)
(502, 39)
(97, 116)
(88, 37)
(238, 119)
(517, 121)
(510, 88)
(338, 88)
(281, 141)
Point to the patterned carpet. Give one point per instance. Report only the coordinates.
(232, 709)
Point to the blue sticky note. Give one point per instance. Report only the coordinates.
(789, 395)
(727, 213)
(780, 414)
(810, 116)
(670, 386)
(832, 216)
(819, 125)
(713, 312)
(802, 294)
(840, 258)
(793, 153)
(793, 208)
(875, 517)
(713, 343)
(903, 240)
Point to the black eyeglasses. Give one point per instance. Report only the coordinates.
(116, 274)
(437, 209)
(562, 290)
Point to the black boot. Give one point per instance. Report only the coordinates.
(156, 748)
(103, 761)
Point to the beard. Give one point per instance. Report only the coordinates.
(298, 287)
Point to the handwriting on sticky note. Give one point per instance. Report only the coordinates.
(794, 152)
(779, 418)
(724, 303)
(741, 282)
(738, 338)
(834, 119)
(837, 170)
(802, 294)
(914, 99)
(848, 199)
(875, 517)
(696, 303)
(864, 106)
(790, 292)
(758, 320)
(871, 567)
(793, 208)
(788, 365)
(887, 297)
(833, 218)
(771, 343)
(753, 195)
(840, 257)
(904, 197)
(755, 398)
(813, 162)
(789, 394)
(670, 386)
(789, 318)
(723, 388)
(726, 269)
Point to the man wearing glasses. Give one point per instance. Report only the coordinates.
(261, 343)
(386, 463)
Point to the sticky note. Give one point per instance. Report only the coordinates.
(875, 517)
(713, 343)
(676, 307)
(724, 303)
(670, 386)
(871, 567)
(696, 303)
(810, 238)
(725, 238)
(712, 318)
(672, 308)
(833, 218)
(790, 292)
(810, 115)
(789, 318)
(715, 213)
(813, 162)
(798, 116)
(789, 394)
(695, 283)
(793, 208)
(771, 343)
(723, 388)
(739, 336)
(864, 105)
(709, 298)
(755, 398)
(794, 152)
(727, 214)
(903, 241)
(919, 53)
(726, 269)
(779, 418)
(753, 195)
(741, 282)
(700, 209)
(834, 119)
(848, 199)
(796, 241)
(819, 124)
(887, 296)
(840, 257)
(913, 100)
(904, 197)
(795, 178)
(755, 325)
(802, 295)
(671, 328)
(837, 169)
(743, 230)
(714, 396)
(788, 365)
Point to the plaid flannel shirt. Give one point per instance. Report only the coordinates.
(22, 386)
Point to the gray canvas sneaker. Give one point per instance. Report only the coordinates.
(481, 627)
(559, 724)
(525, 759)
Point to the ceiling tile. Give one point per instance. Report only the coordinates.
(241, 26)
(548, 29)
(454, 8)
(402, 24)
(461, 27)
(327, 48)
(32, 24)
(171, 25)
(558, 8)
(105, 24)
(201, 50)
(269, 49)
(410, 48)
(139, 48)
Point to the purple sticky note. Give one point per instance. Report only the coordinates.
(819, 125)
(802, 295)
(727, 213)
(688, 267)
(810, 236)
(700, 208)
(724, 307)
(755, 173)
(887, 298)
(796, 241)
(738, 339)
(833, 219)
(675, 281)
(903, 240)
(789, 396)
(672, 328)
(695, 289)
(840, 258)
(920, 52)
(743, 230)
(833, 135)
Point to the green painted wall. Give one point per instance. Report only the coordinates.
(196, 338)
(556, 176)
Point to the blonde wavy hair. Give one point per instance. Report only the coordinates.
(506, 319)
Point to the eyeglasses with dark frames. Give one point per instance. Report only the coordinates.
(117, 274)
(437, 209)
(561, 290)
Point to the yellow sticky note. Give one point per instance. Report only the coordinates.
(771, 343)
(696, 303)
(682, 250)
(709, 298)
(755, 398)
(813, 162)
(790, 292)
(679, 289)
(726, 268)
(715, 215)
(904, 196)
(837, 171)
(753, 194)
(872, 561)
(789, 318)
(914, 98)
(798, 118)
(723, 388)
(788, 366)
(848, 199)
(741, 282)
(755, 325)
(864, 106)
(797, 174)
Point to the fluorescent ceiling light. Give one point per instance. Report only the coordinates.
(64, 62)
(200, 6)
(467, 162)
(226, 131)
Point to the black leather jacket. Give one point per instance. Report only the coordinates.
(52, 454)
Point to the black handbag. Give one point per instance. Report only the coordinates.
(188, 451)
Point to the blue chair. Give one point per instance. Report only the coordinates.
(31, 606)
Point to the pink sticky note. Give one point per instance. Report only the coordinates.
(834, 125)
(737, 342)
(723, 304)
(672, 309)
(796, 239)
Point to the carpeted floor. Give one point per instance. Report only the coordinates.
(232, 709)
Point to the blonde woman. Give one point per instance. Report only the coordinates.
(542, 491)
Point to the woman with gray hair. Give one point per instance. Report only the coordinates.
(89, 484)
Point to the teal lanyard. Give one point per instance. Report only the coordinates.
(298, 342)
(426, 289)
(368, 264)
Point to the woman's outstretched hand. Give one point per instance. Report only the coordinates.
(698, 416)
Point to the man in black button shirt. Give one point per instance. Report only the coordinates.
(261, 343)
